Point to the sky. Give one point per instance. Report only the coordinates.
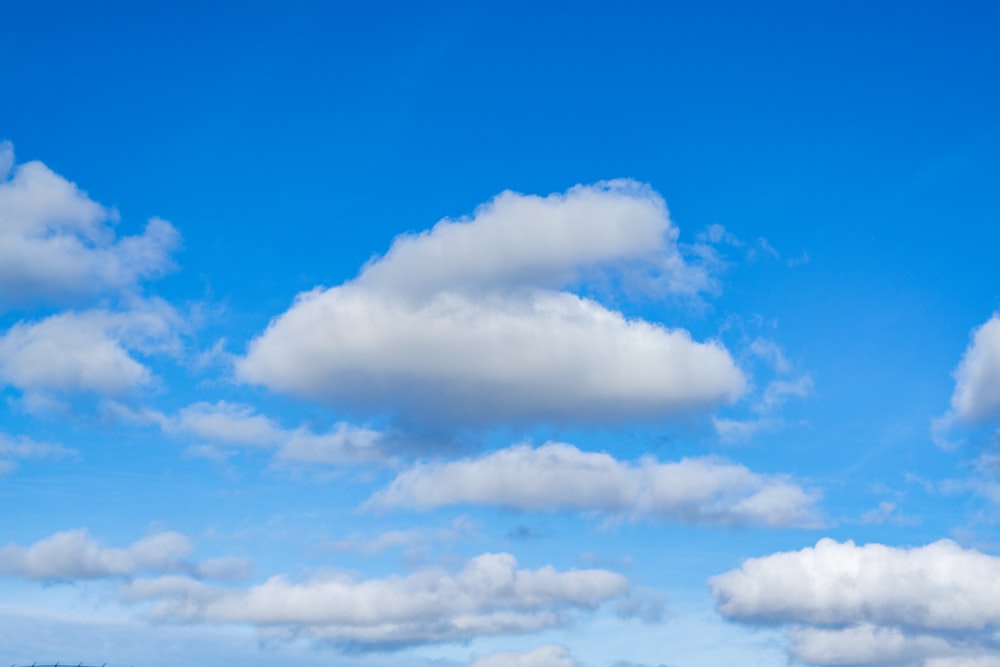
(661, 334)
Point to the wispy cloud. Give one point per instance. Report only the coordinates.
(14, 449)
(550, 655)
(224, 424)
(75, 555)
(558, 476)
(490, 595)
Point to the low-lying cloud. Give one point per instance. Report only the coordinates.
(490, 595)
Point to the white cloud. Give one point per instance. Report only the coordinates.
(488, 596)
(90, 350)
(546, 356)
(872, 604)
(778, 392)
(414, 541)
(982, 481)
(956, 659)
(225, 423)
(466, 323)
(526, 241)
(775, 395)
(13, 449)
(739, 430)
(550, 655)
(886, 512)
(56, 243)
(770, 352)
(977, 378)
(75, 554)
(558, 476)
(763, 246)
(865, 644)
(976, 399)
(717, 234)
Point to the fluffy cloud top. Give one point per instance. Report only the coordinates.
(88, 350)
(489, 596)
(56, 243)
(467, 323)
(538, 242)
(977, 378)
(558, 476)
(872, 604)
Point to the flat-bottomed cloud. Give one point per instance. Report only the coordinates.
(872, 604)
(557, 476)
(470, 322)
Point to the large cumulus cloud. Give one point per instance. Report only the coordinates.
(473, 321)
(873, 604)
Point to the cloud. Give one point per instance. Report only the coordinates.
(224, 423)
(765, 405)
(886, 512)
(558, 476)
(13, 449)
(717, 234)
(87, 351)
(58, 244)
(770, 352)
(775, 395)
(976, 398)
(416, 542)
(469, 323)
(739, 430)
(977, 378)
(550, 655)
(872, 604)
(982, 481)
(867, 644)
(490, 595)
(778, 392)
(74, 554)
(526, 241)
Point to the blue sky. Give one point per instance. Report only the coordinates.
(479, 335)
